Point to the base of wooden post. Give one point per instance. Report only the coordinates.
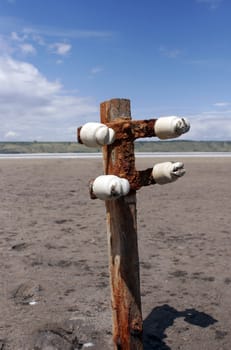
(124, 273)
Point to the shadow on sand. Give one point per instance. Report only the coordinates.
(163, 317)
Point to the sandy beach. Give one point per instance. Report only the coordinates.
(54, 279)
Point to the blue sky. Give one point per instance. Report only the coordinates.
(60, 58)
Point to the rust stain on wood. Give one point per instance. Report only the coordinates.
(119, 159)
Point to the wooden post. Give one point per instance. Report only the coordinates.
(118, 135)
(119, 159)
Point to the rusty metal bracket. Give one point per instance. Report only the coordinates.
(129, 129)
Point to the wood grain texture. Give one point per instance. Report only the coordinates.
(119, 159)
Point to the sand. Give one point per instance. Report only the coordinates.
(54, 278)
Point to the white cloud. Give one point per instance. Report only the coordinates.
(222, 104)
(170, 53)
(32, 105)
(61, 48)
(96, 70)
(17, 37)
(213, 4)
(5, 47)
(28, 49)
(20, 78)
(25, 44)
(212, 125)
(10, 135)
(66, 33)
(15, 43)
(22, 40)
(38, 39)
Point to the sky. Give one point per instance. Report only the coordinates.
(59, 59)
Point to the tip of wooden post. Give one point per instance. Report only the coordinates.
(115, 108)
(116, 99)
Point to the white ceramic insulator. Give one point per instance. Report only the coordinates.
(108, 187)
(167, 172)
(96, 134)
(171, 127)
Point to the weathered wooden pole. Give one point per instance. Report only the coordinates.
(119, 159)
(117, 187)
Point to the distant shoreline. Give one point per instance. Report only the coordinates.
(99, 155)
(167, 146)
